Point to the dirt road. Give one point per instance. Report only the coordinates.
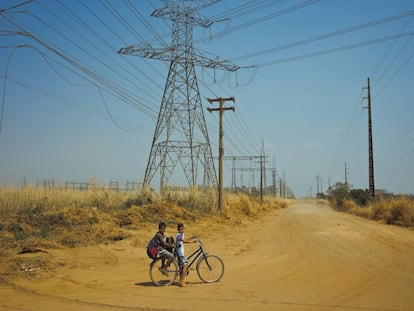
(305, 257)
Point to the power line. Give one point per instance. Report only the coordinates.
(122, 20)
(349, 131)
(144, 21)
(327, 35)
(395, 74)
(246, 8)
(4, 88)
(334, 50)
(68, 102)
(117, 90)
(73, 16)
(398, 161)
(261, 19)
(388, 53)
(398, 147)
(15, 6)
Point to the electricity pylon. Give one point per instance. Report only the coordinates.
(181, 134)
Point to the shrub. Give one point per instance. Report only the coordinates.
(349, 205)
(17, 230)
(401, 212)
(339, 193)
(379, 210)
(244, 204)
(394, 211)
(142, 198)
(360, 197)
(204, 200)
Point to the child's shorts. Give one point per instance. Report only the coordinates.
(182, 261)
(165, 254)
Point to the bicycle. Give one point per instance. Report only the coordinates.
(210, 268)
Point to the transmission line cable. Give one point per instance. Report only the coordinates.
(45, 57)
(146, 89)
(4, 87)
(113, 119)
(395, 74)
(78, 46)
(109, 84)
(144, 21)
(334, 50)
(349, 132)
(238, 142)
(261, 19)
(60, 99)
(399, 161)
(388, 53)
(394, 60)
(397, 147)
(327, 35)
(124, 43)
(15, 6)
(122, 20)
(245, 8)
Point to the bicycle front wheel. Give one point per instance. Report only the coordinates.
(159, 278)
(210, 268)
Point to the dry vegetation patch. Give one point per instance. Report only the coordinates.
(393, 211)
(398, 211)
(35, 223)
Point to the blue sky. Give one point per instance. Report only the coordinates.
(304, 99)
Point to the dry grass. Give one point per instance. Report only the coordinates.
(14, 200)
(396, 211)
(203, 200)
(34, 217)
(236, 205)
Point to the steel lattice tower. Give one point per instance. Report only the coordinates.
(181, 134)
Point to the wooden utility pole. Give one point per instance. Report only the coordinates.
(346, 178)
(370, 148)
(262, 173)
(274, 174)
(220, 109)
(329, 186)
(233, 174)
(317, 185)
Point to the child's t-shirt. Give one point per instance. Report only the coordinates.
(180, 244)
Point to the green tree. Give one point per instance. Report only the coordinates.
(360, 196)
(339, 192)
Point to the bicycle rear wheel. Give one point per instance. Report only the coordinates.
(210, 268)
(158, 278)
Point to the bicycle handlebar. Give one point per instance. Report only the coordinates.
(197, 239)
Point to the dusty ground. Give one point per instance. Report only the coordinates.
(305, 257)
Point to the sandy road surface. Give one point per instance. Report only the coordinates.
(305, 257)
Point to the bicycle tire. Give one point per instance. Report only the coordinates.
(210, 268)
(159, 279)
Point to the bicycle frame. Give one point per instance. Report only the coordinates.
(196, 254)
(210, 268)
